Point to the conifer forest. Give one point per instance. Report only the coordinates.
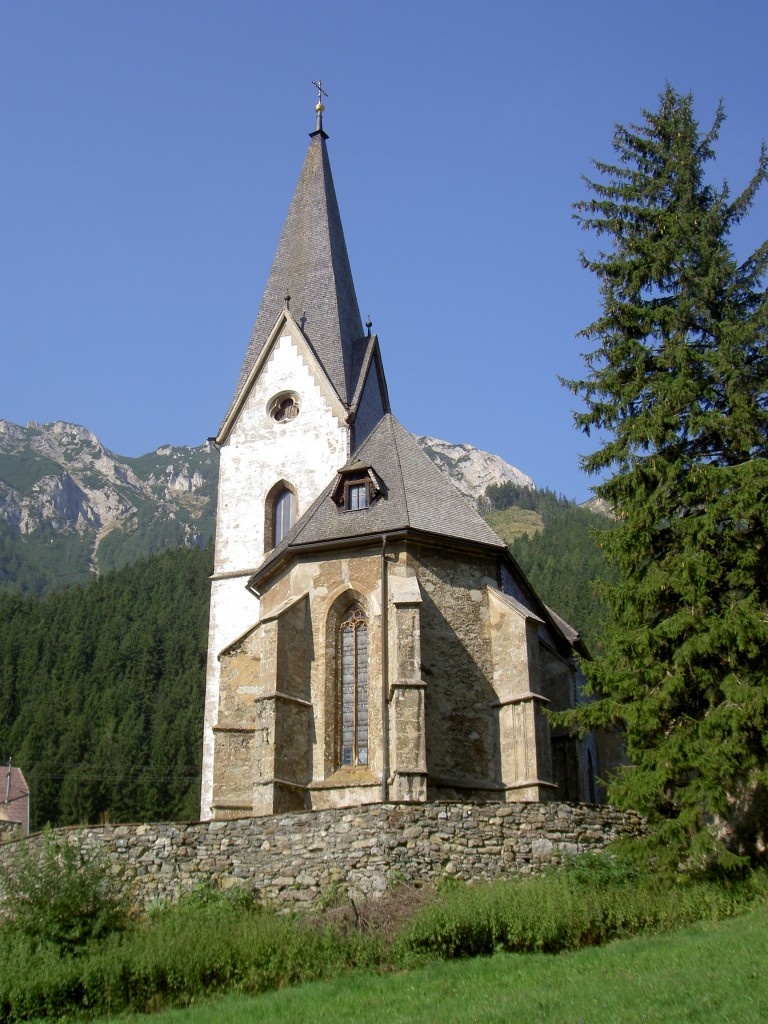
(101, 692)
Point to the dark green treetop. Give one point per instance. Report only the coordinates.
(677, 390)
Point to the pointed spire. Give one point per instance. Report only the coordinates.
(312, 265)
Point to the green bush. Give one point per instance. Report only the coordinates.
(596, 901)
(203, 945)
(58, 896)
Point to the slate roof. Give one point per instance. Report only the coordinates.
(417, 496)
(14, 795)
(573, 636)
(312, 266)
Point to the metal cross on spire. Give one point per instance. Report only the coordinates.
(319, 106)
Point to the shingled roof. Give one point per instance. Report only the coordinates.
(14, 796)
(416, 496)
(312, 266)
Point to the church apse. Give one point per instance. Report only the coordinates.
(462, 743)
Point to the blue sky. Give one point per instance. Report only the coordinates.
(150, 149)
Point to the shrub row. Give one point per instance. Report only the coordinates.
(177, 955)
(567, 910)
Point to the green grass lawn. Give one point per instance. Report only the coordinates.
(714, 972)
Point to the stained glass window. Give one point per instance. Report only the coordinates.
(354, 688)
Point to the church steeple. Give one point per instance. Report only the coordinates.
(311, 389)
(312, 266)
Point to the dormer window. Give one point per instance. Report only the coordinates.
(356, 496)
(357, 487)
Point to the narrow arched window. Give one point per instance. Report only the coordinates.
(354, 688)
(282, 515)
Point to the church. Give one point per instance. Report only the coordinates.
(371, 638)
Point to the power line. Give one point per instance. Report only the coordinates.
(59, 770)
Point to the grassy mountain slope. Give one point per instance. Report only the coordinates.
(512, 523)
(556, 543)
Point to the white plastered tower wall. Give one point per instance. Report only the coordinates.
(256, 452)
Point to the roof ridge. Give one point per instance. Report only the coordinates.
(390, 424)
(364, 369)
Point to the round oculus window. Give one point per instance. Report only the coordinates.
(284, 407)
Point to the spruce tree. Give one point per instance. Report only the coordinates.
(676, 388)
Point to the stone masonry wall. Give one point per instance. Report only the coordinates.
(303, 858)
(9, 829)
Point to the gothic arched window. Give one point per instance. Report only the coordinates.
(279, 513)
(353, 666)
(282, 515)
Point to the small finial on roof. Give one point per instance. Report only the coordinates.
(287, 300)
(319, 106)
(369, 324)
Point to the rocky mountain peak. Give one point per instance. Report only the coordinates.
(471, 469)
(67, 498)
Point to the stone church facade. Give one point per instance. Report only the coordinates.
(371, 638)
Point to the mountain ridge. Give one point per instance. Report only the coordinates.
(70, 508)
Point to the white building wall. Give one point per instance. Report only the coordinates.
(258, 452)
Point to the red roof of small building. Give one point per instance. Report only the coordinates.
(14, 796)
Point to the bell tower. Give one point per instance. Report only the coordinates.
(311, 389)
